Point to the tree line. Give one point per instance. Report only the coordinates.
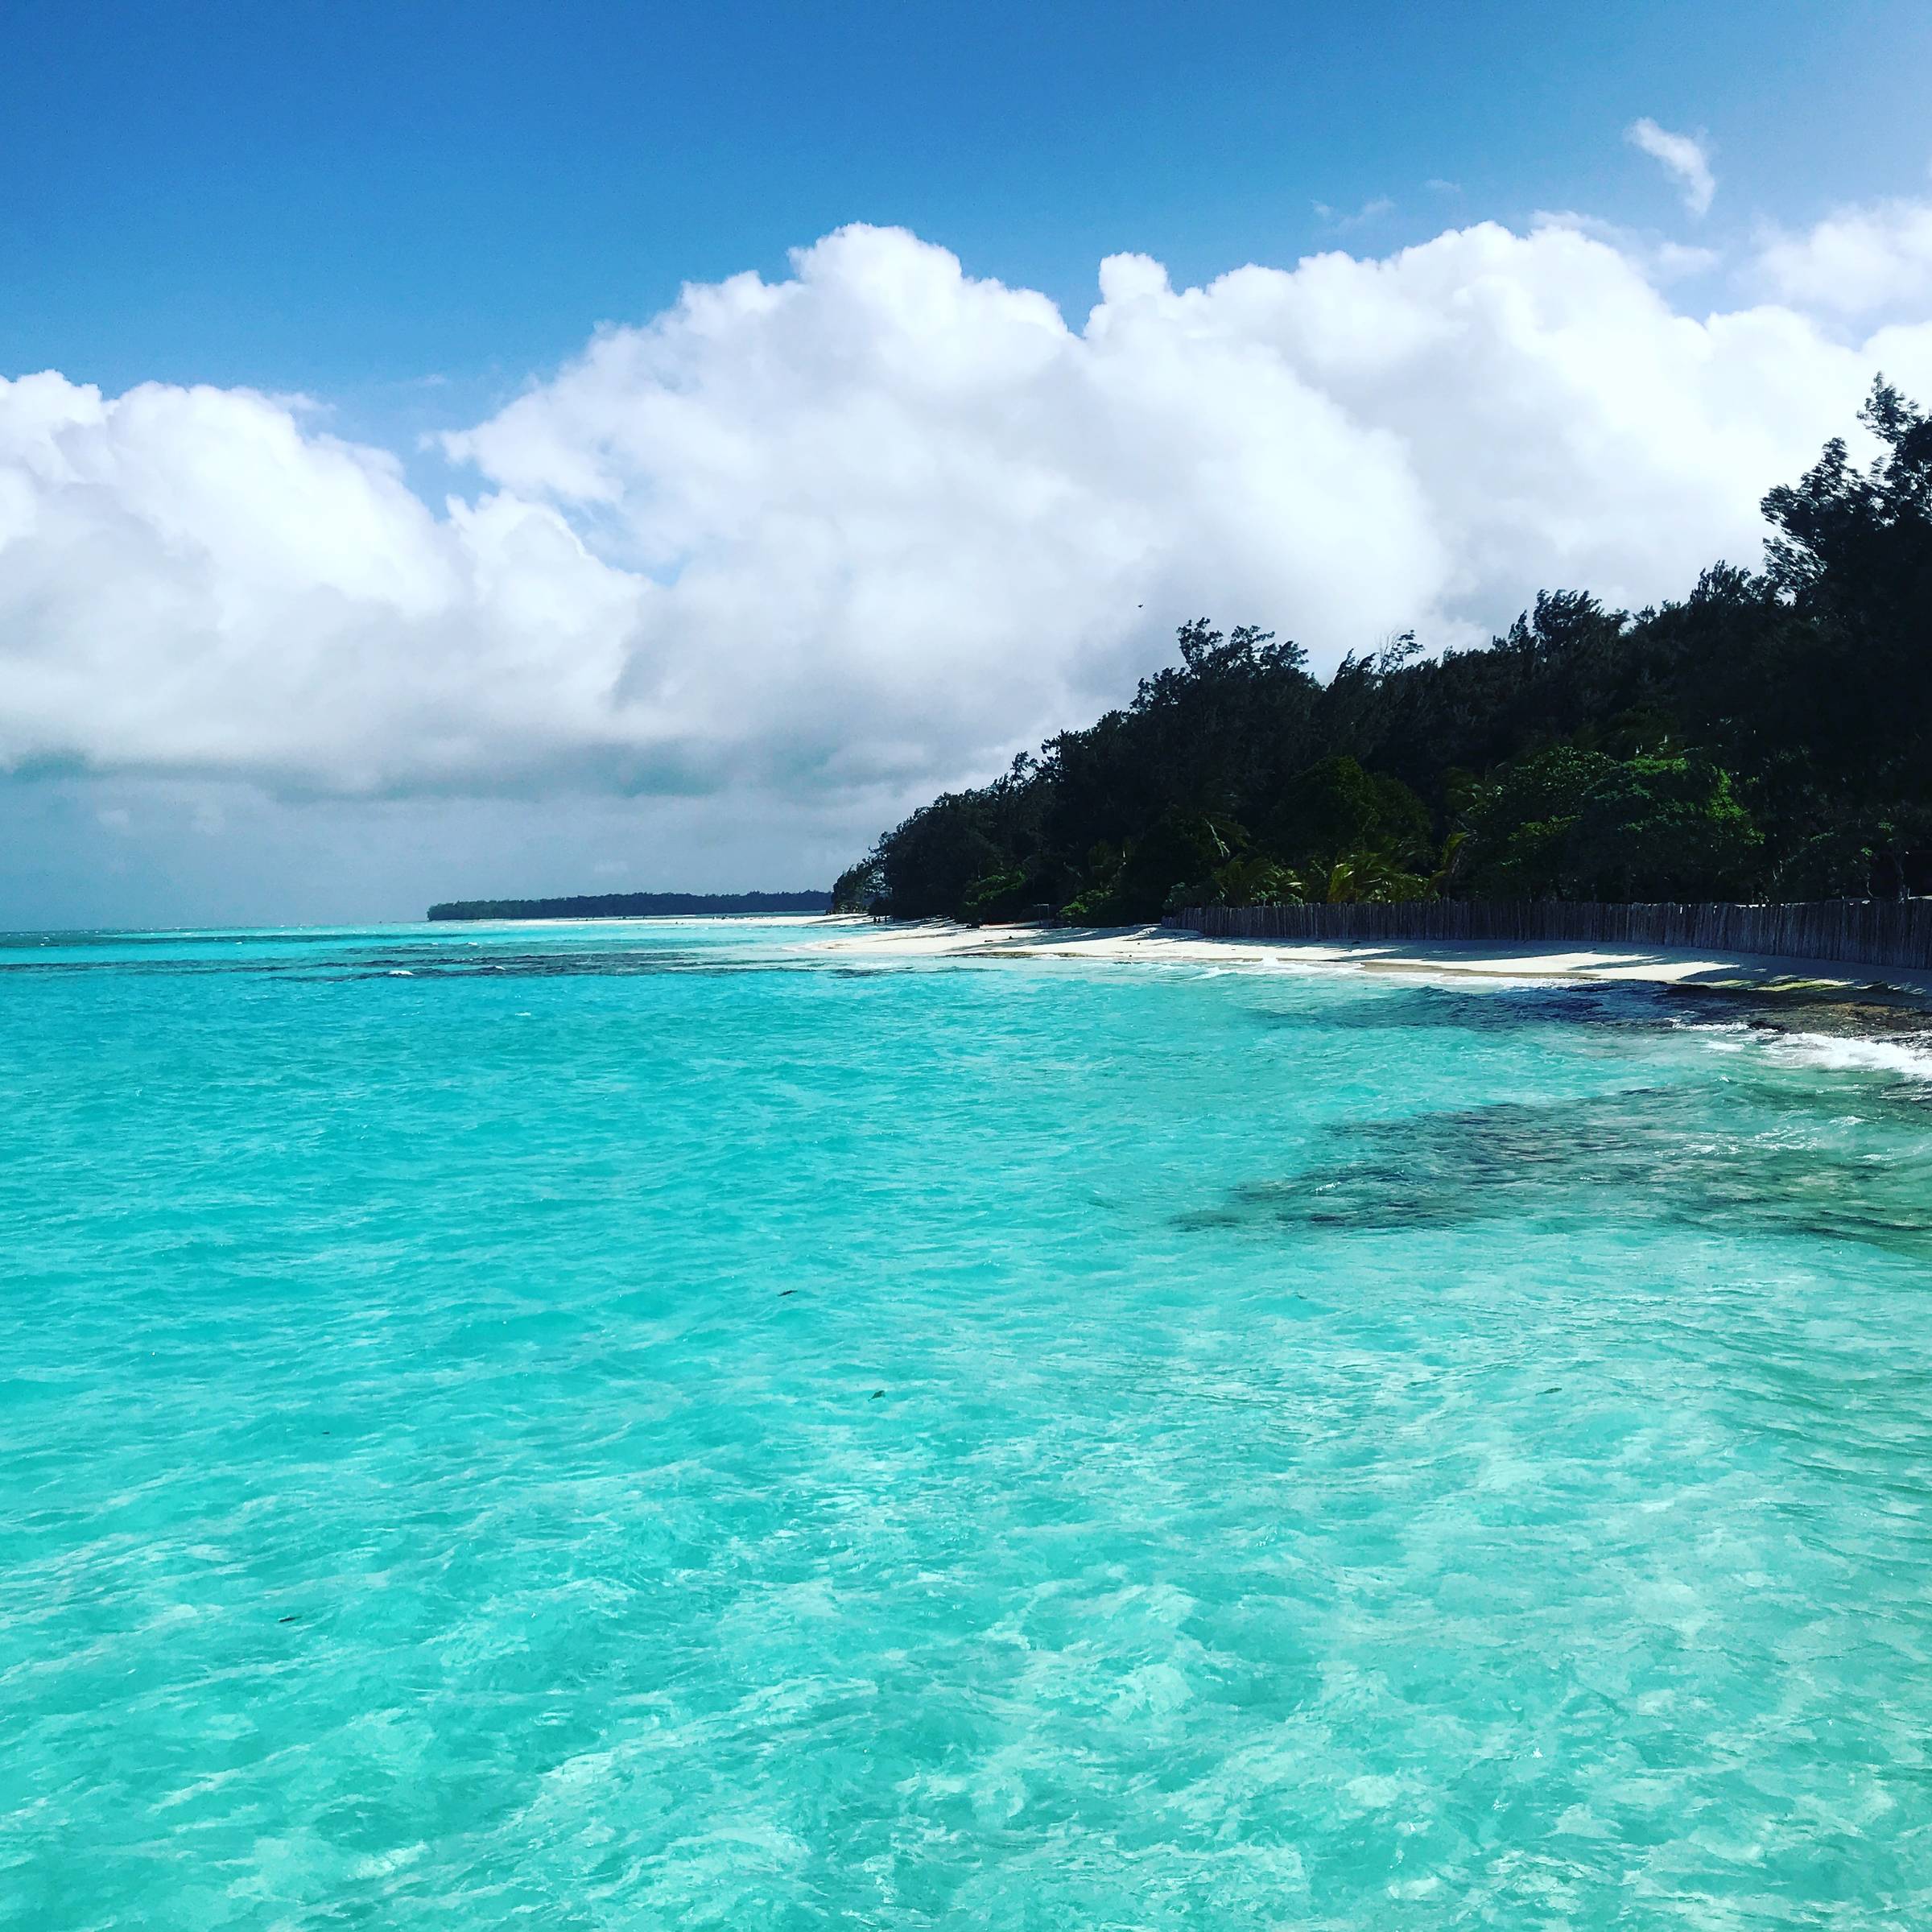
(633, 906)
(1769, 736)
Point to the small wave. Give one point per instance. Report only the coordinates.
(1835, 1052)
(1894, 1057)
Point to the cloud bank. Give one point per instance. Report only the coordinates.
(1861, 262)
(865, 530)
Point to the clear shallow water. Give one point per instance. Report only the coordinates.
(637, 1427)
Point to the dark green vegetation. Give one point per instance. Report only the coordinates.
(633, 906)
(1770, 735)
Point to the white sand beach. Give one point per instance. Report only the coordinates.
(1824, 982)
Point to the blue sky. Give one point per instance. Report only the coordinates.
(379, 523)
(345, 198)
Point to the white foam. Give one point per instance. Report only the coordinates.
(1856, 1056)
(1833, 1052)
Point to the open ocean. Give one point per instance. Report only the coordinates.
(651, 1426)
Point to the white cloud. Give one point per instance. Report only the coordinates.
(193, 580)
(1685, 156)
(1660, 261)
(1858, 262)
(1369, 212)
(821, 544)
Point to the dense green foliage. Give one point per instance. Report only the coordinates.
(633, 906)
(1770, 735)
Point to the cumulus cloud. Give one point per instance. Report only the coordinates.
(1685, 156)
(1859, 262)
(1661, 261)
(864, 530)
(196, 579)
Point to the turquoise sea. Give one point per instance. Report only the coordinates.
(656, 1425)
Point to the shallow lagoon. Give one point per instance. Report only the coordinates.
(649, 1425)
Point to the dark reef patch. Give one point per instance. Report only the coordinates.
(1493, 1010)
(1649, 1153)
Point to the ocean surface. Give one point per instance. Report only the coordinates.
(659, 1425)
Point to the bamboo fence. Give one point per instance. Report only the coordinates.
(1872, 932)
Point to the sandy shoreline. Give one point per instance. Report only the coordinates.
(1796, 995)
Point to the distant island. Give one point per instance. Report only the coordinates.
(634, 906)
